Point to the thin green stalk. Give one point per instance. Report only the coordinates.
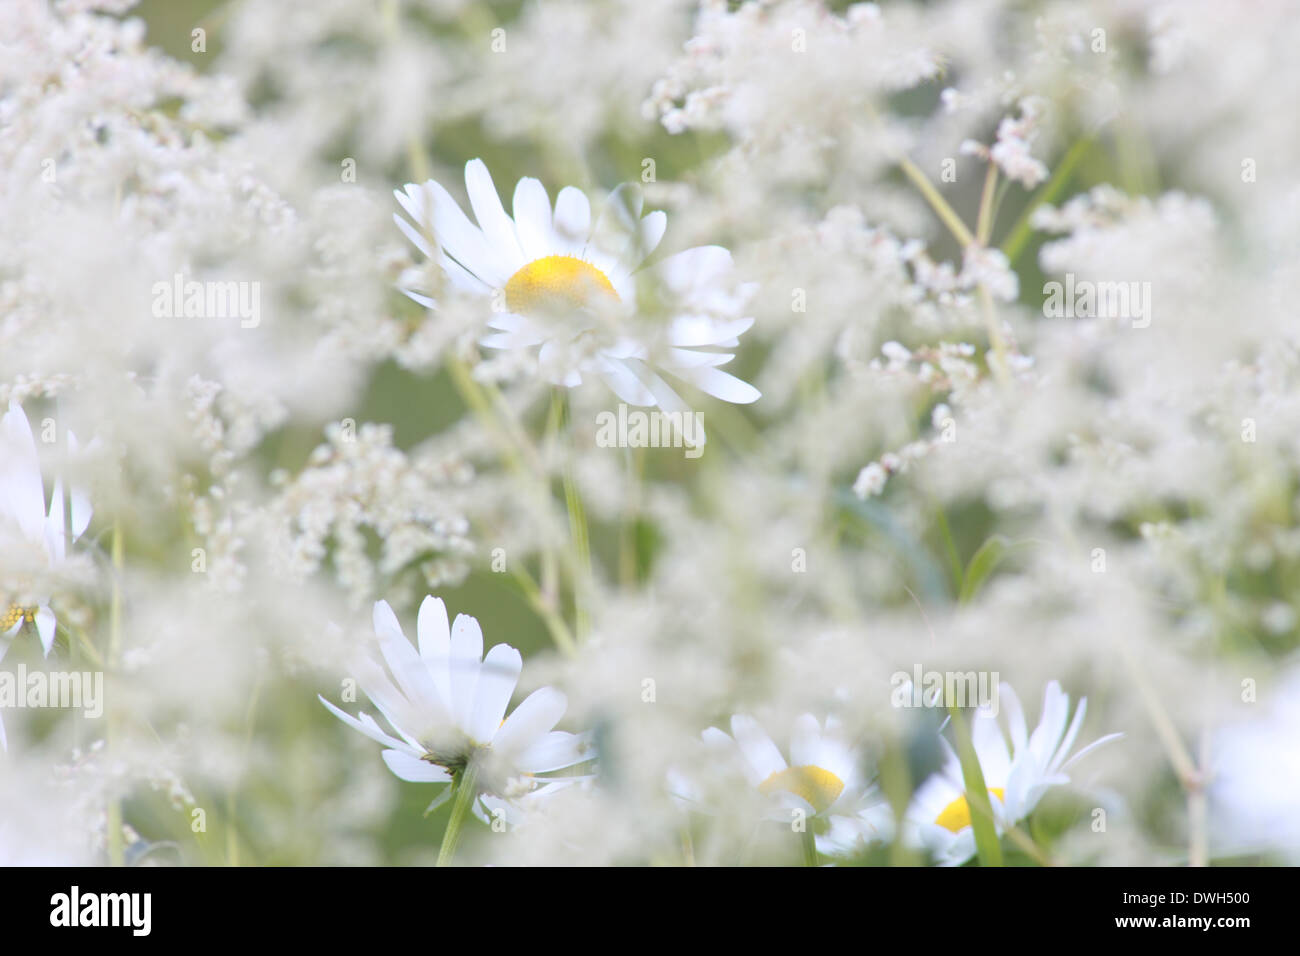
(526, 463)
(559, 630)
(466, 785)
(688, 849)
(984, 224)
(232, 799)
(578, 532)
(977, 793)
(113, 824)
(999, 363)
(1020, 234)
(809, 848)
(940, 205)
(627, 543)
(964, 236)
(1198, 843)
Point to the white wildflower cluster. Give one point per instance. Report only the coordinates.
(648, 433)
(372, 512)
(1011, 151)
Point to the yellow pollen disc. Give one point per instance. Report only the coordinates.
(13, 614)
(556, 283)
(955, 817)
(819, 787)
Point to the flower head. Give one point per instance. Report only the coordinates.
(567, 285)
(822, 780)
(1017, 776)
(446, 704)
(36, 536)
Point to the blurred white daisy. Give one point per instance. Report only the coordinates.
(568, 285)
(446, 704)
(1256, 764)
(822, 779)
(1017, 776)
(33, 537)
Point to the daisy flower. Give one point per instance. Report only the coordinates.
(1256, 764)
(445, 703)
(37, 537)
(822, 779)
(568, 286)
(1017, 776)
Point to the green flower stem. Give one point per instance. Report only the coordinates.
(579, 535)
(627, 539)
(113, 824)
(809, 848)
(1018, 238)
(466, 784)
(966, 238)
(984, 225)
(940, 205)
(545, 609)
(977, 793)
(525, 462)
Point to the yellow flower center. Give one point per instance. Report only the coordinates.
(819, 787)
(556, 283)
(14, 614)
(955, 817)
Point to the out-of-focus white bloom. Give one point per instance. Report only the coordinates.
(27, 526)
(569, 285)
(1255, 767)
(870, 481)
(357, 487)
(446, 702)
(1011, 151)
(822, 779)
(1017, 777)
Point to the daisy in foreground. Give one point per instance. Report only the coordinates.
(820, 790)
(568, 285)
(445, 704)
(31, 535)
(1017, 777)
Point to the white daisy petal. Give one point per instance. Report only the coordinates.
(719, 384)
(464, 666)
(434, 636)
(21, 488)
(45, 627)
(533, 219)
(758, 749)
(1015, 717)
(364, 724)
(432, 206)
(491, 215)
(496, 683)
(553, 751)
(688, 331)
(413, 769)
(693, 268)
(537, 715)
(572, 220)
(416, 237)
(805, 742)
(410, 672)
(689, 358)
(623, 383)
(1083, 752)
